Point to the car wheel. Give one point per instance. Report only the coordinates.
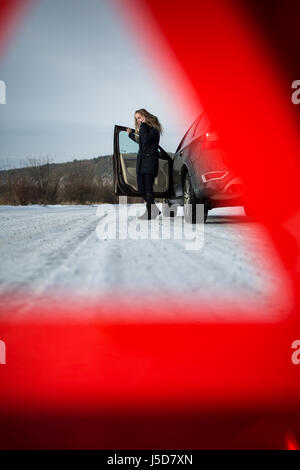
(169, 210)
(190, 204)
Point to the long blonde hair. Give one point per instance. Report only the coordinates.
(150, 119)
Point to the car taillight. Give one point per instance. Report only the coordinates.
(213, 175)
(211, 136)
(210, 140)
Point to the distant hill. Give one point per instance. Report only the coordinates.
(76, 182)
(42, 182)
(102, 168)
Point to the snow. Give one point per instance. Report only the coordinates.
(57, 252)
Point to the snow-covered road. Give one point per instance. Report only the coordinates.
(63, 251)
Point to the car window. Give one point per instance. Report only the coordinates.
(188, 135)
(203, 126)
(196, 126)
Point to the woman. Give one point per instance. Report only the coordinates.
(147, 134)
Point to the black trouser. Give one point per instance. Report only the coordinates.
(145, 184)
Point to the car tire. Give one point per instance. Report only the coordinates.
(166, 209)
(190, 202)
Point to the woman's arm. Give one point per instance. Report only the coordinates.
(131, 135)
(147, 133)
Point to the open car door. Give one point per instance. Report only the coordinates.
(124, 166)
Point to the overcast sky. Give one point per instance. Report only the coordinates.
(72, 72)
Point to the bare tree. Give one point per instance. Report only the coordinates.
(47, 180)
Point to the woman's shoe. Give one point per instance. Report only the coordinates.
(151, 213)
(153, 210)
(144, 216)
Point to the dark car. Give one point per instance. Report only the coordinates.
(197, 175)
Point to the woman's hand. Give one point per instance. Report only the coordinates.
(128, 130)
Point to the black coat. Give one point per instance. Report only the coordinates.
(148, 155)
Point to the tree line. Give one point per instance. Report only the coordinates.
(43, 182)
